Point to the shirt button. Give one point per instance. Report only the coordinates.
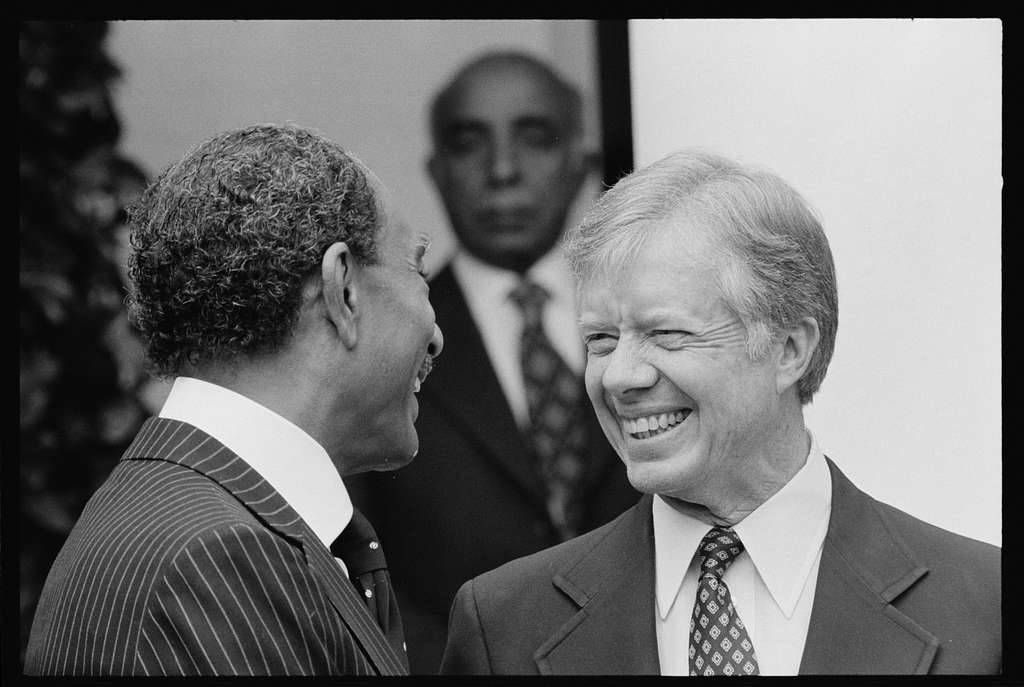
(369, 593)
(374, 545)
(403, 647)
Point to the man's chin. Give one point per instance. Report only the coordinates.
(652, 477)
(398, 462)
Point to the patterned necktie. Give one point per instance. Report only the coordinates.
(362, 554)
(556, 414)
(719, 643)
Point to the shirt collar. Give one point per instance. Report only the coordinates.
(294, 464)
(784, 535)
(676, 537)
(782, 555)
(492, 285)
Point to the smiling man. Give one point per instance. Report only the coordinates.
(273, 280)
(709, 310)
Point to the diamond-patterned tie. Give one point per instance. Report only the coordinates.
(556, 412)
(719, 643)
(362, 554)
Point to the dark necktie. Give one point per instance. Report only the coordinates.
(719, 643)
(556, 421)
(358, 547)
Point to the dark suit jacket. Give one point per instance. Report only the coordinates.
(895, 595)
(187, 562)
(470, 501)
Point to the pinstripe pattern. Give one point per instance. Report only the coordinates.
(186, 562)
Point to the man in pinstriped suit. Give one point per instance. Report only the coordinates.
(272, 278)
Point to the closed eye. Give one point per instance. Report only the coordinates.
(600, 343)
(671, 338)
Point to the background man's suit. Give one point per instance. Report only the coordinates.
(894, 595)
(471, 500)
(186, 561)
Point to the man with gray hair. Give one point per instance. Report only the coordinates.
(708, 305)
(273, 280)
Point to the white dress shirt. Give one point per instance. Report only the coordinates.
(772, 582)
(500, 321)
(289, 459)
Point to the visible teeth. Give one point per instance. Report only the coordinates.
(652, 425)
(416, 385)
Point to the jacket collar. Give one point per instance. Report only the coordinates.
(854, 627)
(181, 443)
(613, 584)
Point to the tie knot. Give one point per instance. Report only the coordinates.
(359, 547)
(530, 297)
(718, 550)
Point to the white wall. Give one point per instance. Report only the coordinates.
(892, 129)
(365, 84)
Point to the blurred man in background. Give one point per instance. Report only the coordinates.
(511, 457)
(272, 278)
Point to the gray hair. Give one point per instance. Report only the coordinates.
(775, 265)
(225, 238)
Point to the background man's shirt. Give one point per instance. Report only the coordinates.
(500, 321)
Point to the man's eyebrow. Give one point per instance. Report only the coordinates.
(536, 120)
(459, 126)
(591, 322)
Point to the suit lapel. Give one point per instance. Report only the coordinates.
(181, 443)
(854, 629)
(465, 385)
(613, 585)
(352, 609)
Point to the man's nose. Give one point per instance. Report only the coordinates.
(504, 165)
(436, 344)
(628, 370)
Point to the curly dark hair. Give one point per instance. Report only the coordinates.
(224, 240)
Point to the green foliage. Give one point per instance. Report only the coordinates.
(78, 407)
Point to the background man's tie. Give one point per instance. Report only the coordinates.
(719, 643)
(362, 554)
(554, 400)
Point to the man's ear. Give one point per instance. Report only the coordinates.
(338, 270)
(799, 344)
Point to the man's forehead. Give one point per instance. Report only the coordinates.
(512, 90)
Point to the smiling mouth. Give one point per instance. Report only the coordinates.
(425, 368)
(653, 425)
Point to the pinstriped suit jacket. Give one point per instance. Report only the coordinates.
(186, 562)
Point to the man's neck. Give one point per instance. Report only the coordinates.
(274, 384)
(749, 485)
